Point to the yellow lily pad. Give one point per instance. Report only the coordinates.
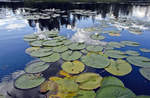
(119, 67)
(74, 67)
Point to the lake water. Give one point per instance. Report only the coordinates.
(15, 23)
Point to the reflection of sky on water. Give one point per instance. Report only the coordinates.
(13, 27)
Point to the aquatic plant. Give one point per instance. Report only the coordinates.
(119, 67)
(71, 55)
(99, 61)
(85, 94)
(97, 37)
(132, 53)
(139, 61)
(89, 81)
(114, 92)
(77, 46)
(145, 72)
(110, 81)
(145, 50)
(28, 81)
(36, 67)
(51, 58)
(115, 54)
(94, 48)
(74, 67)
(41, 52)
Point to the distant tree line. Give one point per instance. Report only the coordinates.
(87, 0)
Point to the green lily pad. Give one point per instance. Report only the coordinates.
(70, 55)
(94, 48)
(110, 81)
(89, 81)
(119, 67)
(130, 43)
(67, 42)
(60, 49)
(67, 85)
(145, 50)
(29, 39)
(31, 49)
(139, 61)
(41, 53)
(37, 43)
(74, 67)
(115, 54)
(115, 44)
(145, 72)
(51, 58)
(143, 96)
(132, 53)
(77, 46)
(59, 38)
(85, 94)
(114, 92)
(52, 43)
(36, 67)
(95, 61)
(28, 81)
(30, 36)
(97, 37)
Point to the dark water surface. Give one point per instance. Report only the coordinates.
(14, 25)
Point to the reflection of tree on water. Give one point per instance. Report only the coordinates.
(55, 22)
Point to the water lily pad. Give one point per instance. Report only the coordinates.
(115, 44)
(130, 43)
(139, 61)
(132, 53)
(52, 43)
(59, 38)
(145, 50)
(97, 37)
(70, 55)
(85, 94)
(145, 72)
(29, 39)
(109, 81)
(67, 42)
(36, 67)
(60, 49)
(48, 85)
(89, 81)
(30, 36)
(114, 92)
(41, 52)
(67, 85)
(95, 61)
(77, 46)
(74, 67)
(115, 54)
(94, 48)
(119, 67)
(31, 49)
(28, 81)
(143, 96)
(51, 58)
(37, 43)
